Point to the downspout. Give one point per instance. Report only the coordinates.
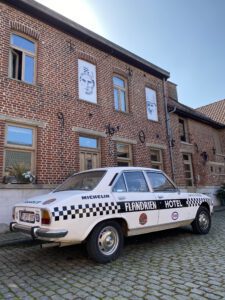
(168, 129)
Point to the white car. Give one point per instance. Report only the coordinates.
(101, 206)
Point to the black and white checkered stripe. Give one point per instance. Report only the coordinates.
(85, 211)
(196, 201)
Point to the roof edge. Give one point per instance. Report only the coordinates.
(57, 20)
(186, 111)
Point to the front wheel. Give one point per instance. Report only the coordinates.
(105, 242)
(202, 221)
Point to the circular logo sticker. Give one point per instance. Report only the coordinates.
(175, 215)
(143, 219)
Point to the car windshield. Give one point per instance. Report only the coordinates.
(86, 181)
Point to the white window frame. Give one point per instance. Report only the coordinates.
(188, 162)
(121, 89)
(21, 148)
(24, 54)
(157, 163)
(129, 159)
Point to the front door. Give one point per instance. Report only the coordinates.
(89, 160)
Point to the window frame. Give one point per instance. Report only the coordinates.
(24, 53)
(128, 160)
(157, 163)
(185, 130)
(90, 150)
(123, 175)
(188, 162)
(21, 148)
(125, 90)
(175, 189)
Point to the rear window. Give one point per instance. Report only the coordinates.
(81, 182)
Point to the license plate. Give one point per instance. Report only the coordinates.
(28, 217)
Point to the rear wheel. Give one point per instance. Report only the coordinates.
(202, 221)
(105, 242)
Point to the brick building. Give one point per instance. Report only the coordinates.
(198, 148)
(72, 100)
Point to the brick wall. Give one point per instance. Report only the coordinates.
(201, 139)
(56, 91)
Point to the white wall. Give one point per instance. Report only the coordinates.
(9, 197)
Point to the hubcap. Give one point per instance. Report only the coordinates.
(203, 220)
(108, 240)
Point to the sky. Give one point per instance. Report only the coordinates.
(184, 37)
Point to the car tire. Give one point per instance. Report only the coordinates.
(105, 242)
(202, 221)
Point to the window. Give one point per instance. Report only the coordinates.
(183, 130)
(82, 182)
(188, 171)
(120, 94)
(217, 143)
(124, 154)
(120, 185)
(151, 104)
(135, 182)
(19, 149)
(160, 183)
(156, 159)
(22, 59)
(89, 153)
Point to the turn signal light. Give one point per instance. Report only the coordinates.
(45, 217)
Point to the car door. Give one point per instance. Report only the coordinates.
(172, 204)
(137, 204)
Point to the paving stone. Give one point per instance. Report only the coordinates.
(167, 265)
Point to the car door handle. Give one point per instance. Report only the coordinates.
(122, 198)
(160, 197)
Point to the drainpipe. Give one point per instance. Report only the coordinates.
(168, 129)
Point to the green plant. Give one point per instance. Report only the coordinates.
(220, 194)
(18, 170)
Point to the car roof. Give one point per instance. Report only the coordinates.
(119, 169)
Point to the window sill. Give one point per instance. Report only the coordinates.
(24, 82)
(126, 113)
(157, 122)
(186, 143)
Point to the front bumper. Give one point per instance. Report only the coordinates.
(37, 232)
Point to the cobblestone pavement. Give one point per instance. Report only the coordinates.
(173, 264)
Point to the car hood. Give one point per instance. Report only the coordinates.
(50, 198)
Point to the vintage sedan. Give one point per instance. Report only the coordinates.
(102, 206)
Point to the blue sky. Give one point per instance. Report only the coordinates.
(184, 37)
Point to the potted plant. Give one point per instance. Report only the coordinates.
(18, 173)
(220, 194)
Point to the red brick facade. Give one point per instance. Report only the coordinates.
(53, 107)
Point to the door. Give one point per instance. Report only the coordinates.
(137, 203)
(172, 204)
(89, 160)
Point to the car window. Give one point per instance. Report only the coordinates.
(86, 181)
(160, 183)
(136, 182)
(120, 186)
